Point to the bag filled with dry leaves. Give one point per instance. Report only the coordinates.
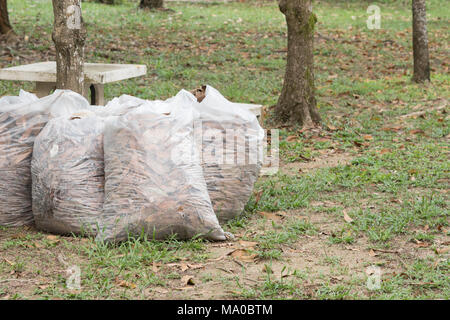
(19, 126)
(231, 141)
(154, 184)
(68, 174)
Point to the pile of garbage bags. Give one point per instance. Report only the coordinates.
(133, 167)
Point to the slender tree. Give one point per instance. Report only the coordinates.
(69, 35)
(151, 4)
(5, 26)
(297, 103)
(420, 42)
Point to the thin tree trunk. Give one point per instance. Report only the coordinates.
(297, 103)
(5, 26)
(69, 36)
(151, 4)
(420, 42)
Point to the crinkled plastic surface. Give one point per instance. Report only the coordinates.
(153, 179)
(68, 174)
(231, 149)
(20, 123)
(23, 97)
(120, 106)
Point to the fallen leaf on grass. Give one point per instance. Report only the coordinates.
(359, 144)
(336, 279)
(275, 216)
(332, 128)
(248, 244)
(125, 284)
(395, 200)
(393, 129)
(195, 266)
(416, 131)
(291, 138)
(185, 266)
(320, 139)
(34, 244)
(188, 280)
(421, 244)
(243, 255)
(347, 217)
(368, 137)
(182, 266)
(442, 250)
(53, 239)
(372, 253)
(258, 196)
(18, 236)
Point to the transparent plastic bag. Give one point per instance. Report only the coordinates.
(153, 179)
(230, 140)
(68, 174)
(19, 126)
(230, 170)
(23, 97)
(120, 106)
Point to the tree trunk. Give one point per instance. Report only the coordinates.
(151, 4)
(5, 26)
(69, 36)
(297, 103)
(420, 42)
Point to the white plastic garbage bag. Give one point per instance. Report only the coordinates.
(154, 183)
(19, 126)
(21, 98)
(231, 141)
(121, 105)
(68, 174)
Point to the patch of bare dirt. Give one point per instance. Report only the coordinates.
(327, 160)
(230, 270)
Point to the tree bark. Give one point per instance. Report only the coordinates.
(297, 103)
(151, 4)
(5, 26)
(420, 42)
(69, 35)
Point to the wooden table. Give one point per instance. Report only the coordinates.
(96, 76)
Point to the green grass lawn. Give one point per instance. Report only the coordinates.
(371, 188)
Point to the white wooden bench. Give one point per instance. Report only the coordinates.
(96, 76)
